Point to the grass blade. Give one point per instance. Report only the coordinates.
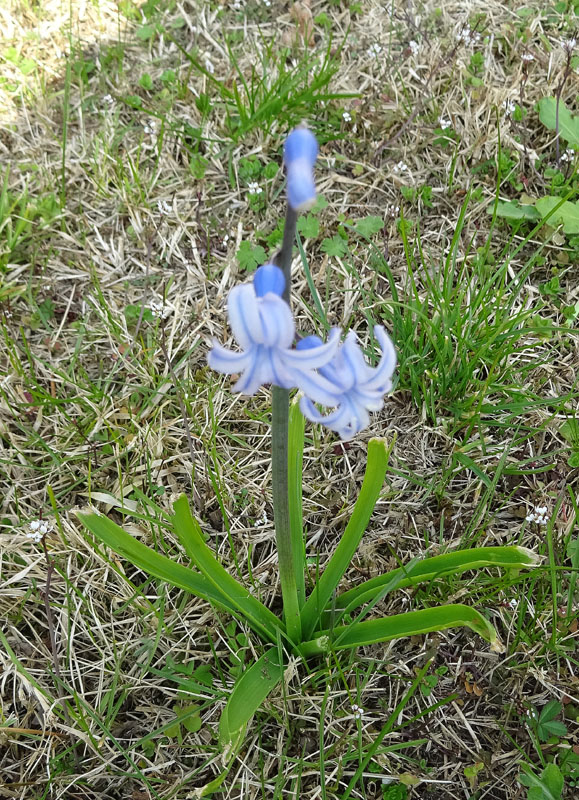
(189, 533)
(378, 454)
(428, 569)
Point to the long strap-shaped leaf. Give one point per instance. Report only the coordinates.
(249, 693)
(452, 563)
(399, 626)
(151, 562)
(377, 462)
(295, 483)
(188, 530)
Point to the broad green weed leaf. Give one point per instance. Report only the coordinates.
(547, 786)
(515, 211)
(368, 226)
(568, 125)
(308, 226)
(570, 431)
(566, 214)
(335, 246)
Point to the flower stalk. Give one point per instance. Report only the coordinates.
(280, 462)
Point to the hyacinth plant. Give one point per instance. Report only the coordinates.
(317, 619)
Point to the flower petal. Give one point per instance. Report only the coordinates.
(277, 321)
(382, 373)
(317, 388)
(301, 188)
(244, 317)
(223, 360)
(255, 375)
(315, 357)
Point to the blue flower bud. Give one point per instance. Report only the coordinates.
(268, 278)
(300, 153)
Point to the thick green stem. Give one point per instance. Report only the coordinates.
(279, 463)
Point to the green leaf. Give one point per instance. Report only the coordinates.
(151, 562)
(570, 431)
(453, 563)
(249, 693)
(378, 455)
(549, 786)
(250, 256)
(515, 211)
(335, 246)
(568, 125)
(295, 465)
(309, 226)
(187, 529)
(368, 226)
(567, 213)
(400, 626)
(145, 81)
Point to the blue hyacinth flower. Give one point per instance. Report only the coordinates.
(263, 326)
(299, 155)
(359, 388)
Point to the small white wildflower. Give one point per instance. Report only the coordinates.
(267, 3)
(539, 515)
(261, 521)
(569, 44)
(236, 5)
(164, 207)
(374, 50)
(527, 57)
(150, 128)
(254, 188)
(225, 240)
(513, 603)
(159, 309)
(38, 528)
(209, 65)
(108, 100)
(568, 155)
(357, 711)
(509, 107)
(392, 210)
(468, 37)
(444, 122)
(346, 116)
(414, 47)
(400, 167)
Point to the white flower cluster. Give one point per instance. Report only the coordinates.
(568, 155)
(414, 47)
(346, 116)
(164, 208)
(400, 167)
(538, 515)
(509, 107)
(357, 711)
(392, 210)
(444, 122)
(254, 188)
(150, 128)
(468, 37)
(569, 44)
(527, 57)
(158, 309)
(374, 50)
(38, 529)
